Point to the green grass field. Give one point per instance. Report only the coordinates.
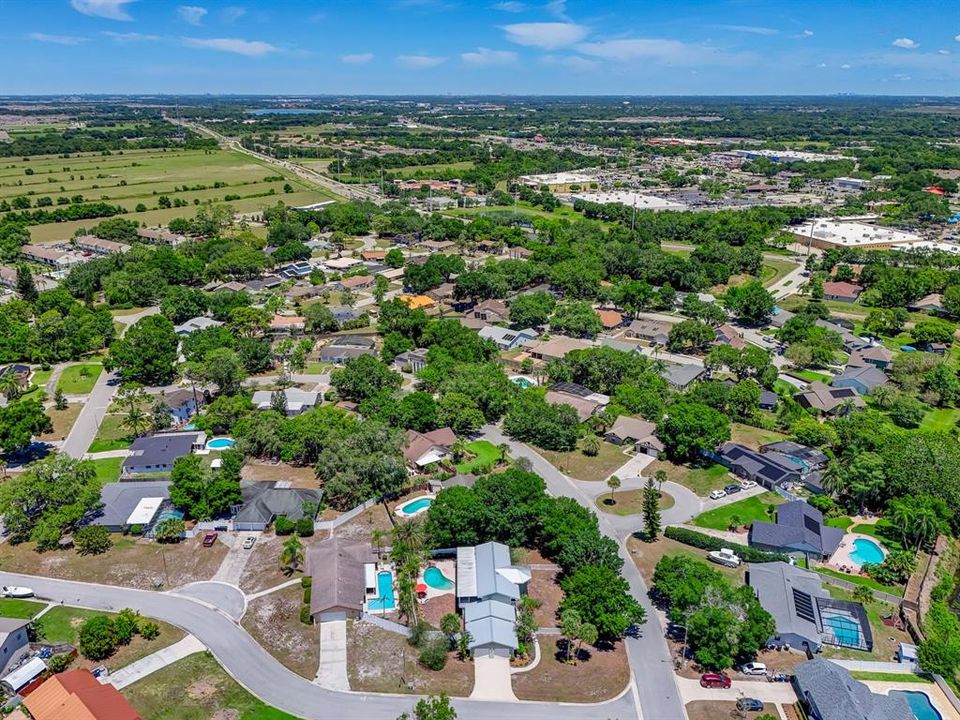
(79, 379)
(108, 469)
(701, 480)
(941, 419)
(810, 376)
(141, 176)
(111, 435)
(485, 455)
(746, 510)
(861, 580)
(19, 609)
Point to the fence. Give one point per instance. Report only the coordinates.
(346, 517)
(847, 585)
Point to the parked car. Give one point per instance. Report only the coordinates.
(754, 668)
(732, 488)
(715, 680)
(747, 484)
(248, 543)
(209, 539)
(14, 591)
(749, 704)
(717, 494)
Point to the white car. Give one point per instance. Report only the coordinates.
(13, 591)
(754, 668)
(747, 484)
(717, 494)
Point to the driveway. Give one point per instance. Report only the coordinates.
(492, 679)
(236, 559)
(768, 692)
(332, 672)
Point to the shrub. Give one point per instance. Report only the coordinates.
(283, 525)
(434, 654)
(306, 581)
(59, 663)
(305, 617)
(418, 634)
(149, 630)
(125, 626)
(307, 594)
(708, 542)
(98, 638)
(305, 527)
(92, 540)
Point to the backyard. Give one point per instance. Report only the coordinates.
(740, 513)
(886, 638)
(79, 379)
(481, 454)
(585, 467)
(752, 436)
(701, 479)
(196, 688)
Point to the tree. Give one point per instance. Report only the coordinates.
(532, 419)
(919, 518)
(181, 303)
(651, 510)
(133, 398)
(577, 319)
(393, 258)
(224, 367)
(712, 634)
(98, 638)
(291, 555)
(450, 626)
(933, 330)
(460, 413)
(19, 422)
(435, 707)
(906, 411)
(456, 517)
(25, 285)
(571, 625)
(92, 540)
(690, 335)
(361, 463)
(169, 530)
(319, 319)
(591, 445)
(690, 428)
(603, 599)
(363, 377)
(147, 352)
(531, 310)
(613, 482)
(198, 492)
(751, 302)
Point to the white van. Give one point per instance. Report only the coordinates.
(754, 668)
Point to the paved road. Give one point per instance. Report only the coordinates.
(650, 659)
(789, 284)
(275, 685)
(90, 417)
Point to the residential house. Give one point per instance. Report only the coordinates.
(259, 285)
(491, 311)
(829, 692)
(804, 612)
(437, 245)
(344, 314)
(411, 361)
(799, 529)
(159, 236)
(841, 291)
(585, 401)
(682, 376)
(442, 293)
(932, 303)
(650, 331)
(557, 347)
(126, 504)
(14, 643)
(373, 255)
(194, 324)
(232, 286)
(487, 580)
(93, 244)
(344, 348)
(8, 279)
(264, 502)
(21, 372)
(520, 253)
(729, 335)
(45, 255)
(507, 339)
(863, 379)
(877, 356)
(610, 319)
(297, 401)
(423, 449)
(812, 461)
(340, 264)
(287, 324)
(936, 348)
(640, 433)
(767, 469)
(851, 343)
(418, 302)
(78, 695)
(354, 283)
(768, 399)
(343, 573)
(829, 400)
(305, 291)
(295, 270)
(181, 404)
(157, 453)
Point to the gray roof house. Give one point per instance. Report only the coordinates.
(14, 643)
(264, 502)
(131, 503)
(799, 528)
(862, 379)
(829, 692)
(338, 569)
(506, 339)
(682, 376)
(768, 469)
(194, 324)
(491, 625)
(641, 433)
(346, 347)
(157, 453)
(415, 360)
(298, 401)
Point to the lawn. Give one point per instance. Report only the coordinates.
(600, 673)
(753, 436)
(861, 580)
(274, 621)
(842, 522)
(940, 420)
(584, 467)
(19, 609)
(111, 435)
(774, 270)
(700, 479)
(810, 376)
(629, 502)
(883, 531)
(484, 455)
(889, 677)
(196, 688)
(63, 421)
(646, 556)
(108, 469)
(79, 379)
(746, 510)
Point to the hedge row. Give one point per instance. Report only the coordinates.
(708, 542)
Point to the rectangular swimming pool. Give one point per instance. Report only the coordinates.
(385, 599)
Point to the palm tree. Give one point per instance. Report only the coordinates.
(613, 482)
(570, 624)
(591, 445)
(504, 450)
(135, 420)
(376, 539)
(9, 384)
(661, 477)
(588, 634)
(459, 449)
(291, 556)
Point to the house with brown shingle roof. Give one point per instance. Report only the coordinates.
(422, 449)
(491, 311)
(876, 355)
(610, 318)
(829, 400)
(557, 347)
(339, 570)
(729, 335)
(841, 291)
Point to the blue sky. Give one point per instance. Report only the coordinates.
(635, 47)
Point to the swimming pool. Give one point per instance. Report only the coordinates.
(522, 382)
(434, 577)
(845, 629)
(220, 443)
(415, 506)
(866, 551)
(385, 599)
(920, 705)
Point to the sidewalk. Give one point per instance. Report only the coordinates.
(151, 663)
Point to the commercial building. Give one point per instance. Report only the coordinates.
(631, 199)
(91, 243)
(557, 182)
(827, 234)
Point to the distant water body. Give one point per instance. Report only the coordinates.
(286, 111)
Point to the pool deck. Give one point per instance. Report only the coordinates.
(399, 509)
(841, 558)
(449, 569)
(932, 691)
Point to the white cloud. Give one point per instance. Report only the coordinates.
(510, 6)
(821, 65)
(557, 8)
(752, 29)
(906, 43)
(956, 38)
(571, 62)
(249, 48)
(110, 9)
(943, 52)
(232, 13)
(57, 39)
(486, 56)
(805, 34)
(546, 35)
(902, 76)
(191, 14)
(420, 62)
(356, 58)
(130, 36)
(664, 52)
(845, 66)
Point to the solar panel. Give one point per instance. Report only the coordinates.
(803, 603)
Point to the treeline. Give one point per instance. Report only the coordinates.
(142, 136)
(65, 213)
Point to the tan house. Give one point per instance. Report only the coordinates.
(829, 400)
(341, 578)
(626, 430)
(557, 347)
(491, 311)
(422, 449)
(653, 332)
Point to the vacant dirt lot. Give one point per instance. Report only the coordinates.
(721, 710)
(382, 661)
(600, 674)
(263, 568)
(274, 621)
(301, 477)
(543, 586)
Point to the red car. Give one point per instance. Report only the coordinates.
(209, 539)
(714, 680)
